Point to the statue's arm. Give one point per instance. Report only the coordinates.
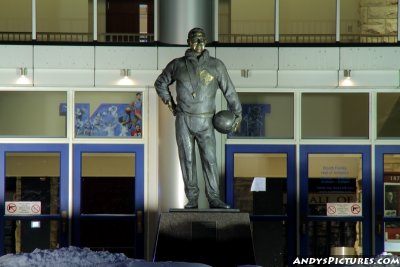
(162, 83)
(228, 89)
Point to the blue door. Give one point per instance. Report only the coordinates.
(34, 197)
(260, 180)
(109, 198)
(387, 199)
(335, 200)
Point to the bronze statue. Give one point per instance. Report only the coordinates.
(198, 76)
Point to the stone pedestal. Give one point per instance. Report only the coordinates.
(209, 236)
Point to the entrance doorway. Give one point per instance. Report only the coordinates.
(108, 198)
(35, 207)
(387, 199)
(335, 200)
(256, 176)
(127, 19)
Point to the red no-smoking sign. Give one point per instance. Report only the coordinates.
(331, 210)
(35, 208)
(23, 207)
(11, 208)
(344, 209)
(355, 209)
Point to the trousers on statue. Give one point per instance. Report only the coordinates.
(191, 129)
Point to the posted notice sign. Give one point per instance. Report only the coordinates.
(343, 209)
(23, 208)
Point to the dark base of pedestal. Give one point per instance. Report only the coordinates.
(214, 237)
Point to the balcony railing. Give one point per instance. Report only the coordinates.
(77, 37)
(126, 37)
(307, 38)
(16, 36)
(223, 38)
(64, 37)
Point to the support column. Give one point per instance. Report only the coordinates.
(177, 17)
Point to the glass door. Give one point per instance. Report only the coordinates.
(109, 198)
(387, 199)
(256, 176)
(335, 200)
(34, 199)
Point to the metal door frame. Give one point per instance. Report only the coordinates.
(138, 150)
(64, 163)
(290, 217)
(366, 218)
(380, 151)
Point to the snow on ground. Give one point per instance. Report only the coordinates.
(81, 257)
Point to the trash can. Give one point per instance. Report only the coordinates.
(343, 252)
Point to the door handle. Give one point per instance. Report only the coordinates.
(379, 222)
(379, 228)
(64, 218)
(303, 227)
(139, 222)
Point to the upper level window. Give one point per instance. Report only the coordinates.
(251, 21)
(64, 21)
(266, 115)
(334, 115)
(368, 21)
(307, 21)
(125, 21)
(108, 114)
(16, 20)
(33, 114)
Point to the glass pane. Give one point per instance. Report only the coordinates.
(269, 240)
(271, 170)
(34, 177)
(125, 21)
(64, 20)
(115, 236)
(392, 237)
(334, 239)
(108, 114)
(335, 115)
(368, 21)
(391, 195)
(251, 21)
(333, 178)
(266, 115)
(391, 181)
(307, 21)
(32, 114)
(388, 115)
(16, 20)
(108, 183)
(24, 236)
(350, 21)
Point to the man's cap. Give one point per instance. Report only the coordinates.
(194, 31)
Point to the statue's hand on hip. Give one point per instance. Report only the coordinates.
(172, 106)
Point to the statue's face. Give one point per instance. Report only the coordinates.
(197, 42)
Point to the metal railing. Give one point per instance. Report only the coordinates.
(77, 37)
(64, 37)
(16, 36)
(307, 38)
(246, 38)
(126, 37)
(223, 38)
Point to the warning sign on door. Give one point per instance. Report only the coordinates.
(23, 208)
(343, 209)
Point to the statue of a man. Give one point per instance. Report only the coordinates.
(198, 76)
